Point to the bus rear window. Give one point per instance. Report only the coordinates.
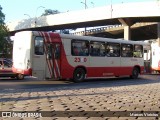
(39, 50)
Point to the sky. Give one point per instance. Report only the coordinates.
(15, 9)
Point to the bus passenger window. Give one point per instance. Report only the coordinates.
(97, 48)
(127, 50)
(79, 48)
(57, 51)
(39, 50)
(138, 51)
(113, 50)
(1, 63)
(49, 51)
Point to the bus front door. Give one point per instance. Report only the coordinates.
(53, 61)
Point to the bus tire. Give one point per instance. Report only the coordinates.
(135, 73)
(20, 76)
(79, 75)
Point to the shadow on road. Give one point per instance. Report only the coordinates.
(32, 83)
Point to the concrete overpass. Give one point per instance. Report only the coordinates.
(126, 14)
(139, 31)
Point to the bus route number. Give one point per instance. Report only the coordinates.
(78, 59)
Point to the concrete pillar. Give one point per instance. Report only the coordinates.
(127, 23)
(158, 33)
(127, 33)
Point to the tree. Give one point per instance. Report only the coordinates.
(50, 12)
(2, 16)
(5, 43)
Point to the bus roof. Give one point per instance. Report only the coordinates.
(101, 39)
(89, 38)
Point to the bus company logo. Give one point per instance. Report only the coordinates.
(6, 114)
(80, 59)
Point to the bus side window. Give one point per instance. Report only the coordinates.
(97, 48)
(126, 50)
(113, 50)
(80, 48)
(39, 50)
(138, 51)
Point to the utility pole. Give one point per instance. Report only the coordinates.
(85, 3)
(111, 9)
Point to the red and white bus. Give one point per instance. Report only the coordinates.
(49, 55)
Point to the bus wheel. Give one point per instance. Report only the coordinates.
(79, 75)
(135, 73)
(20, 76)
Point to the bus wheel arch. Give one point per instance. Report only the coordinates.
(79, 74)
(135, 72)
(20, 76)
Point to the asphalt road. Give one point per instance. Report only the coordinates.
(32, 83)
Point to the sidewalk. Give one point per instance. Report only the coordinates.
(143, 98)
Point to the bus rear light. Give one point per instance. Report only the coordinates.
(22, 71)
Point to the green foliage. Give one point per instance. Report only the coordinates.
(2, 16)
(50, 12)
(5, 43)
